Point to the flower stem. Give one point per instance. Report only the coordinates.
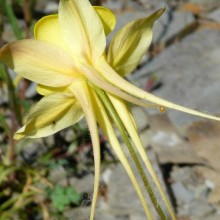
(111, 110)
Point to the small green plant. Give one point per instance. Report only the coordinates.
(62, 197)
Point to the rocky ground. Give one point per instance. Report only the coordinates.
(185, 150)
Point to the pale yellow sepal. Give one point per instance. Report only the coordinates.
(39, 61)
(83, 94)
(107, 17)
(50, 115)
(130, 43)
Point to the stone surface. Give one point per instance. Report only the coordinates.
(205, 3)
(121, 196)
(215, 15)
(168, 143)
(190, 188)
(140, 117)
(183, 194)
(170, 24)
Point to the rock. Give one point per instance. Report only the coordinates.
(80, 213)
(148, 4)
(140, 117)
(180, 174)
(214, 15)
(145, 137)
(31, 90)
(170, 24)
(181, 193)
(114, 5)
(216, 216)
(58, 175)
(200, 208)
(51, 7)
(191, 191)
(205, 3)
(122, 199)
(47, 7)
(168, 144)
(203, 134)
(213, 177)
(84, 184)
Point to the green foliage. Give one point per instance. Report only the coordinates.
(53, 164)
(63, 196)
(4, 124)
(12, 18)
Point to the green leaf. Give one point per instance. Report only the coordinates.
(73, 195)
(63, 196)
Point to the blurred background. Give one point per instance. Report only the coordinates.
(52, 178)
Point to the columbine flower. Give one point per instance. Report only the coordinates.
(78, 77)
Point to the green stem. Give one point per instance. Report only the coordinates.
(12, 18)
(11, 93)
(111, 110)
(15, 109)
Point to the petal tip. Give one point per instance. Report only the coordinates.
(157, 14)
(18, 136)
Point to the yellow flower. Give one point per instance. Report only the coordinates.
(77, 77)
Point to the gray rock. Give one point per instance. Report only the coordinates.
(140, 117)
(181, 174)
(83, 185)
(200, 209)
(205, 3)
(171, 23)
(145, 136)
(216, 216)
(181, 193)
(47, 7)
(148, 4)
(215, 15)
(58, 175)
(114, 5)
(31, 90)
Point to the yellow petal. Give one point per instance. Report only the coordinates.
(46, 90)
(107, 18)
(48, 29)
(116, 80)
(107, 128)
(50, 115)
(82, 93)
(81, 29)
(130, 44)
(39, 61)
(130, 126)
